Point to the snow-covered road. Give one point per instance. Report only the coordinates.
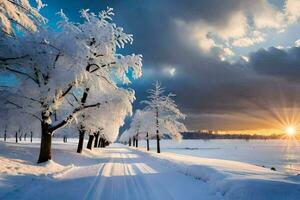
(122, 173)
(132, 175)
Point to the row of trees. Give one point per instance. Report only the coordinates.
(66, 78)
(18, 136)
(159, 117)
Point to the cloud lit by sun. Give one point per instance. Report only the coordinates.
(169, 71)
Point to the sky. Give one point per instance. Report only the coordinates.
(234, 64)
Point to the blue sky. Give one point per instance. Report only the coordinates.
(223, 60)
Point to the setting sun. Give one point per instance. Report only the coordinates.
(290, 130)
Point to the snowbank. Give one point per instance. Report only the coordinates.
(233, 180)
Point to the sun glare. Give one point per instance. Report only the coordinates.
(290, 130)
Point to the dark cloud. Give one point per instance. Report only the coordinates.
(283, 63)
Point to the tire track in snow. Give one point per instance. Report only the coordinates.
(97, 185)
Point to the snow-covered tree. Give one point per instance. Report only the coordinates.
(166, 113)
(47, 66)
(139, 126)
(116, 106)
(56, 68)
(20, 14)
(104, 64)
(160, 117)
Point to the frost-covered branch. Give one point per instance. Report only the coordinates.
(22, 73)
(72, 116)
(21, 13)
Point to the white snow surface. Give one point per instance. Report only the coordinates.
(121, 172)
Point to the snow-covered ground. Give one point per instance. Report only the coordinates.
(120, 172)
(284, 155)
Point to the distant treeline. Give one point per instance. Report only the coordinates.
(208, 136)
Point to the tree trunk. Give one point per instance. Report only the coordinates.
(100, 141)
(106, 143)
(90, 142)
(5, 136)
(46, 141)
(82, 128)
(103, 143)
(157, 131)
(16, 137)
(129, 142)
(148, 142)
(157, 139)
(133, 142)
(31, 134)
(96, 140)
(65, 139)
(81, 140)
(25, 136)
(137, 143)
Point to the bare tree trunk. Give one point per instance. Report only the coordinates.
(158, 139)
(137, 142)
(46, 141)
(100, 142)
(5, 131)
(106, 143)
(16, 137)
(81, 140)
(90, 142)
(25, 136)
(157, 131)
(129, 142)
(82, 128)
(31, 134)
(65, 139)
(147, 142)
(96, 139)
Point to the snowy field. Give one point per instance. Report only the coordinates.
(120, 172)
(284, 155)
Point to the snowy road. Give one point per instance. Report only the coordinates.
(122, 173)
(132, 175)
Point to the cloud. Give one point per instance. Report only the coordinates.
(236, 26)
(254, 38)
(226, 52)
(292, 10)
(282, 63)
(169, 71)
(297, 43)
(195, 34)
(245, 58)
(266, 15)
